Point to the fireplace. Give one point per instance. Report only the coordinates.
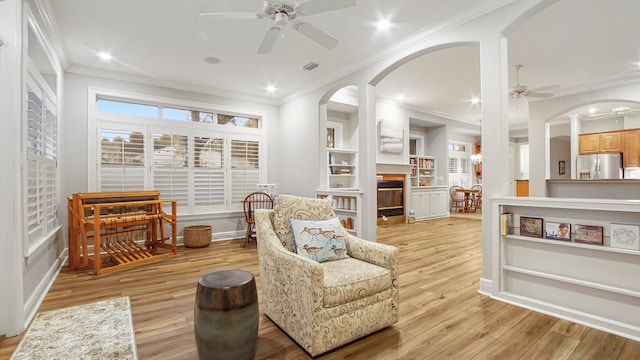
(390, 198)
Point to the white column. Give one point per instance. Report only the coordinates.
(576, 128)
(495, 142)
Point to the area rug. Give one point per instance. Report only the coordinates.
(101, 330)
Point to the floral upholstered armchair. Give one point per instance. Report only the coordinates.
(323, 304)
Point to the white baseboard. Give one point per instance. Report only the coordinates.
(37, 297)
(486, 287)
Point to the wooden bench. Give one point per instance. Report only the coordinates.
(111, 230)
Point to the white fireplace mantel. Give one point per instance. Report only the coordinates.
(403, 169)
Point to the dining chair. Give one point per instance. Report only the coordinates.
(476, 201)
(457, 198)
(253, 201)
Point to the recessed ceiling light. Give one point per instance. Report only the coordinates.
(271, 88)
(105, 56)
(400, 97)
(592, 109)
(212, 60)
(383, 24)
(475, 100)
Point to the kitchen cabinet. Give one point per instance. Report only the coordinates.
(600, 142)
(611, 142)
(522, 187)
(631, 148)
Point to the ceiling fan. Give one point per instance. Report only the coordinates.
(283, 12)
(519, 91)
(616, 111)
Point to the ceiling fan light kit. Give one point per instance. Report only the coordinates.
(284, 12)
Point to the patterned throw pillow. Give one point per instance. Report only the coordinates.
(300, 208)
(321, 240)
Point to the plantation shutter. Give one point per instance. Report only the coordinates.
(245, 168)
(453, 165)
(170, 167)
(35, 180)
(464, 165)
(122, 160)
(50, 135)
(208, 173)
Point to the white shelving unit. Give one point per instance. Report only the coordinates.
(590, 284)
(346, 205)
(342, 169)
(423, 170)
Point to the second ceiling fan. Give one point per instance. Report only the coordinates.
(522, 91)
(283, 12)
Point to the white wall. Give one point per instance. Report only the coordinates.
(560, 151)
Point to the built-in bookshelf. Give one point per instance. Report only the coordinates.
(342, 169)
(346, 205)
(423, 170)
(574, 258)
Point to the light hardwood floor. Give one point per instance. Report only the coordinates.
(441, 314)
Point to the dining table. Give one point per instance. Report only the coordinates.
(469, 196)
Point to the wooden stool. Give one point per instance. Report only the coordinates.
(226, 315)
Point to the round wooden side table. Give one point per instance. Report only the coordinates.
(226, 315)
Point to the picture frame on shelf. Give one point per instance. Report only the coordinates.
(557, 231)
(531, 226)
(588, 234)
(624, 236)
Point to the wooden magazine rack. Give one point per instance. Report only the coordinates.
(111, 230)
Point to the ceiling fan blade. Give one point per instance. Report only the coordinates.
(546, 88)
(232, 16)
(269, 40)
(315, 34)
(538, 95)
(318, 6)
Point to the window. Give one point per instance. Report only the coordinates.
(41, 163)
(206, 160)
(459, 165)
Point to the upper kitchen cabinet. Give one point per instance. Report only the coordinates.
(600, 142)
(631, 148)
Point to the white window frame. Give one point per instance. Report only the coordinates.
(153, 125)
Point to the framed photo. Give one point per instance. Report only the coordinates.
(625, 236)
(561, 168)
(530, 226)
(557, 231)
(588, 234)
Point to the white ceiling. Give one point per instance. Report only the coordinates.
(575, 44)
